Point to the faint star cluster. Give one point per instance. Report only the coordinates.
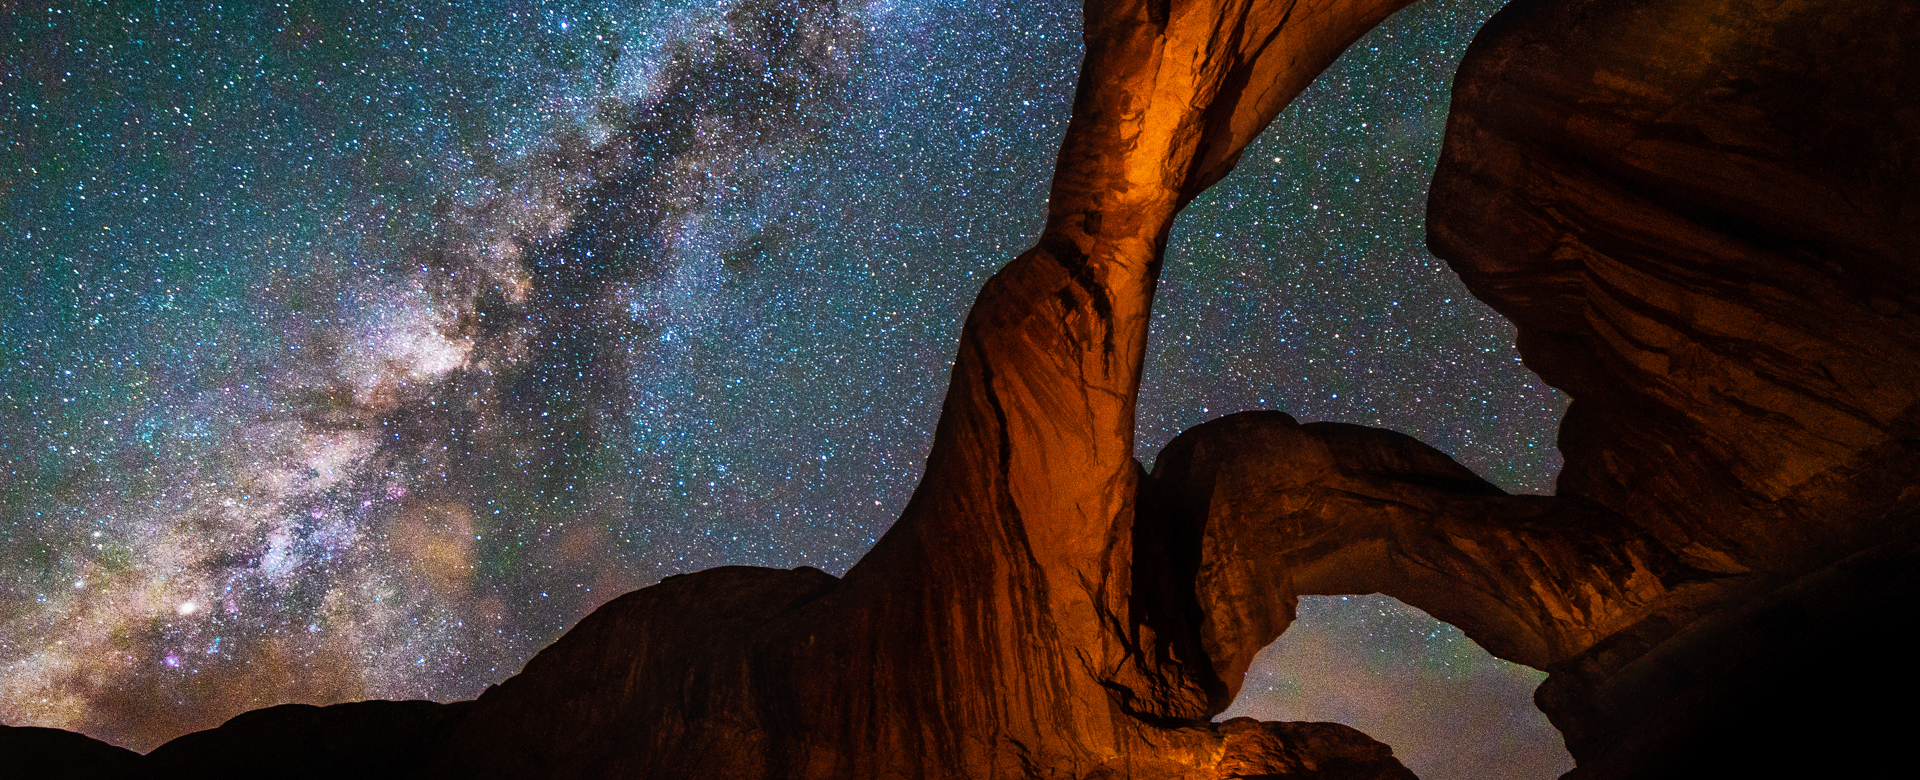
(355, 349)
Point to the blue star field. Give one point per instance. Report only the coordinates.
(354, 350)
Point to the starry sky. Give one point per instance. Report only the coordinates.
(355, 350)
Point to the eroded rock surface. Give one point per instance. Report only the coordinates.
(995, 630)
(1281, 510)
(656, 683)
(1701, 215)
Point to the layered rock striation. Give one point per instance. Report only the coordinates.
(1701, 216)
(994, 631)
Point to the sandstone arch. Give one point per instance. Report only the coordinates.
(1700, 213)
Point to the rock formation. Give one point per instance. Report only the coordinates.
(1281, 510)
(1701, 215)
(1688, 207)
(55, 754)
(993, 631)
(371, 740)
(1702, 218)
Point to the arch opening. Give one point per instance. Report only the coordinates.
(1449, 709)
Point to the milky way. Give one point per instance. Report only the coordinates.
(355, 351)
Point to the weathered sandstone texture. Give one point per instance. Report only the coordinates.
(994, 631)
(1701, 214)
(1271, 510)
(1703, 217)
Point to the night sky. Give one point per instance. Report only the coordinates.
(351, 350)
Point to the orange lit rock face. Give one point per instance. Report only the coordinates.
(1701, 215)
(1045, 609)
(1282, 510)
(994, 631)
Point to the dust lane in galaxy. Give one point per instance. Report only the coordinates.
(355, 350)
